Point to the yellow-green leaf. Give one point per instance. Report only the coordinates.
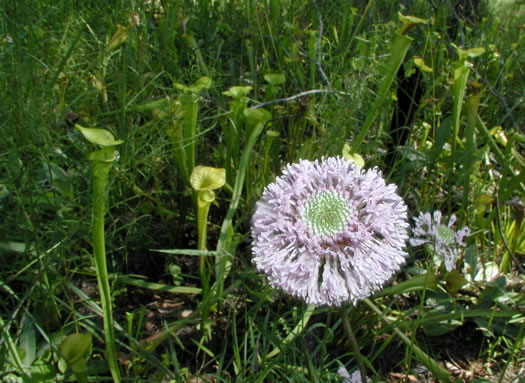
(120, 36)
(75, 347)
(207, 178)
(237, 91)
(106, 154)
(498, 133)
(206, 197)
(355, 158)
(100, 137)
(409, 22)
(202, 83)
(420, 63)
(256, 115)
(275, 78)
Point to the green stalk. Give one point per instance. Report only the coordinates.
(13, 352)
(101, 166)
(222, 264)
(204, 199)
(437, 370)
(204, 180)
(472, 113)
(461, 73)
(190, 105)
(353, 343)
(295, 332)
(398, 53)
(270, 136)
(192, 43)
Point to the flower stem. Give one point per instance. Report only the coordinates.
(100, 181)
(203, 207)
(353, 343)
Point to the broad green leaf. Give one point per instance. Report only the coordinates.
(256, 115)
(107, 154)
(27, 342)
(100, 137)
(207, 178)
(492, 291)
(238, 91)
(75, 349)
(455, 280)
(17, 247)
(43, 372)
(474, 52)
(441, 327)
(275, 78)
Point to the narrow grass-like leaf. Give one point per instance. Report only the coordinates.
(295, 332)
(158, 286)
(417, 283)
(222, 264)
(437, 370)
(398, 52)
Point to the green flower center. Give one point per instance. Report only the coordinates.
(326, 213)
(445, 234)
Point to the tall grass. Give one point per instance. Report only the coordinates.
(249, 86)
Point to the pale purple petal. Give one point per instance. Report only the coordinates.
(347, 378)
(445, 240)
(329, 232)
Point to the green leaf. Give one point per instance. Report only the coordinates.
(202, 83)
(493, 291)
(207, 178)
(27, 342)
(254, 116)
(158, 286)
(206, 196)
(440, 328)
(275, 78)
(417, 283)
(420, 63)
(409, 22)
(75, 349)
(455, 280)
(107, 154)
(465, 53)
(355, 158)
(43, 371)
(238, 91)
(120, 36)
(100, 137)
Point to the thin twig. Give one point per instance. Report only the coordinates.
(319, 38)
(291, 98)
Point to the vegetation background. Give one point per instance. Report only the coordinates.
(249, 86)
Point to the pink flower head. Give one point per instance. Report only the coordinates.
(445, 240)
(329, 232)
